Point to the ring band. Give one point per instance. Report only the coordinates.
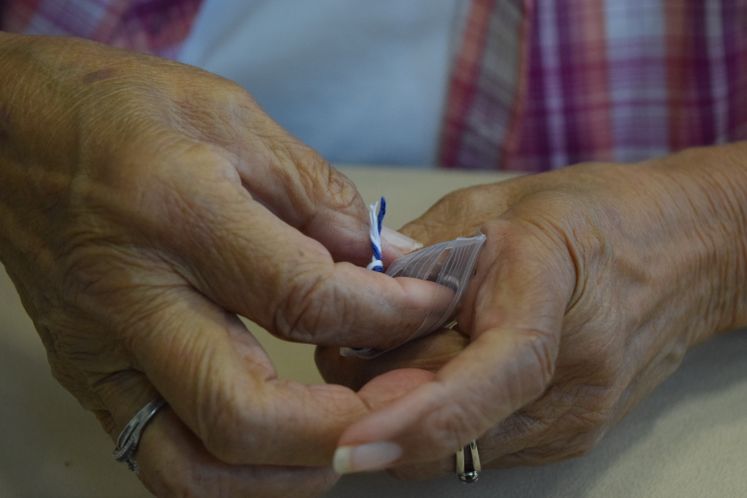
(129, 439)
(468, 463)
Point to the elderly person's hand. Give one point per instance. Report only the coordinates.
(594, 282)
(144, 205)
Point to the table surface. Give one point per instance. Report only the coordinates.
(688, 439)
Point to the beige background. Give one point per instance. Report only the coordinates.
(689, 439)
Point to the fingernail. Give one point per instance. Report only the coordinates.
(399, 240)
(371, 456)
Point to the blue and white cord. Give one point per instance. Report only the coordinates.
(376, 214)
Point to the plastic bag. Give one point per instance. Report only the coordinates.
(450, 264)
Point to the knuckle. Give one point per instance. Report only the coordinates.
(604, 363)
(103, 283)
(95, 275)
(219, 443)
(439, 219)
(419, 230)
(313, 170)
(302, 314)
(228, 431)
(172, 157)
(587, 441)
(429, 229)
(342, 193)
(522, 424)
(455, 200)
(672, 356)
(449, 427)
(84, 270)
(542, 347)
(188, 197)
(229, 95)
(223, 443)
(320, 181)
(193, 165)
(584, 428)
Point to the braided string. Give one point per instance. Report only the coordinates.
(376, 214)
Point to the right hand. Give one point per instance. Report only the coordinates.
(144, 205)
(593, 283)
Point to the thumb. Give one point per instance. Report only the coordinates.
(392, 385)
(523, 288)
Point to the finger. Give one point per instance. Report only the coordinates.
(386, 388)
(393, 374)
(429, 353)
(560, 443)
(469, 206)
(304, 190)
(569, 419)
(520, 305)
(245, 259)
(219, 381)
(642, 382)
(173, 462)
(505, 444)
(497, 448)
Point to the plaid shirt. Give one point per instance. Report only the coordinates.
(153, 26)
(540, 84)
(535, 84)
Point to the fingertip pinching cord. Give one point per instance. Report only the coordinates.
(449, 264)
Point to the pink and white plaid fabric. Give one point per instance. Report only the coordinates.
(153, 26)
(540, 84)
(535, 84)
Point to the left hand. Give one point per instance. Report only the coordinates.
(594, 282)
(145, 204)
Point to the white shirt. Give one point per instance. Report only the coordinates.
(361, 81)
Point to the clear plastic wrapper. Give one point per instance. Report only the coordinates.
(451, 264)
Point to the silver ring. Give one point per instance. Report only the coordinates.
(468, 463)
(129, 439)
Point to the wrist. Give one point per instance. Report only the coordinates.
(34, 128)
(35, 145)
(709, 184)
(47, 89)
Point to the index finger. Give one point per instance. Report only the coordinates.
(220, 383)
(519, 310)
(248, 261)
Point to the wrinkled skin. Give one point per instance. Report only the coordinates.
(594, 282)
(144, 205)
